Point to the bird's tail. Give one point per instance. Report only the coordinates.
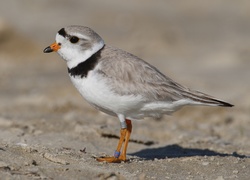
(205, 99)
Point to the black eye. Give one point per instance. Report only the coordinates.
(74, 39)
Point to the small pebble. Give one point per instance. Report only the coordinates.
(55, 159)
(4, 164)
(205, 163)
(212, 158)
(220, 178)
(235, 171)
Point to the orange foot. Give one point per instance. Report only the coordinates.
(125, 135)
(111, 159)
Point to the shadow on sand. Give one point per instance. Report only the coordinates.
(176, 151)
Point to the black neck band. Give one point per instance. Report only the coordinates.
(84, 67)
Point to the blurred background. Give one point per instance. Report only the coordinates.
(204, 45)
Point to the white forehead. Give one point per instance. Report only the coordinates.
(59, 38)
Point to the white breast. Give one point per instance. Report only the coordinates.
(97, 92)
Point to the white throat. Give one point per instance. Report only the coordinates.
(79, 57)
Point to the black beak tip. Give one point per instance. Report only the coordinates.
(48, 50)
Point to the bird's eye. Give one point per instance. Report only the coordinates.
(74, 39)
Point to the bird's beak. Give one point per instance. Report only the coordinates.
(52, 48)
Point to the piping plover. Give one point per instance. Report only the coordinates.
(121, 84)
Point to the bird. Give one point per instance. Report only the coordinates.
(121, 84)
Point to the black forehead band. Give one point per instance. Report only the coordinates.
(62, 32)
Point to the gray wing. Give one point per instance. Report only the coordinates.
(130, 75)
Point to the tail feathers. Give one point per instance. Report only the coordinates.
(205, 99)
(221, 103)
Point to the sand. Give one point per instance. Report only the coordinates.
(47, 131)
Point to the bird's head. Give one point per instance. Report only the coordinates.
(75, 44)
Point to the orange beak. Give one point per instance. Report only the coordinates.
(52, 48)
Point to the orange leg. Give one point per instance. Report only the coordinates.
(125, 135)
(122, 157)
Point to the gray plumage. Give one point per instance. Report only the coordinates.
(130, 75)
(119, 83)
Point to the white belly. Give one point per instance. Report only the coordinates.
(98, 93)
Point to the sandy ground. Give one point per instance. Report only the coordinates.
(47, 131)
